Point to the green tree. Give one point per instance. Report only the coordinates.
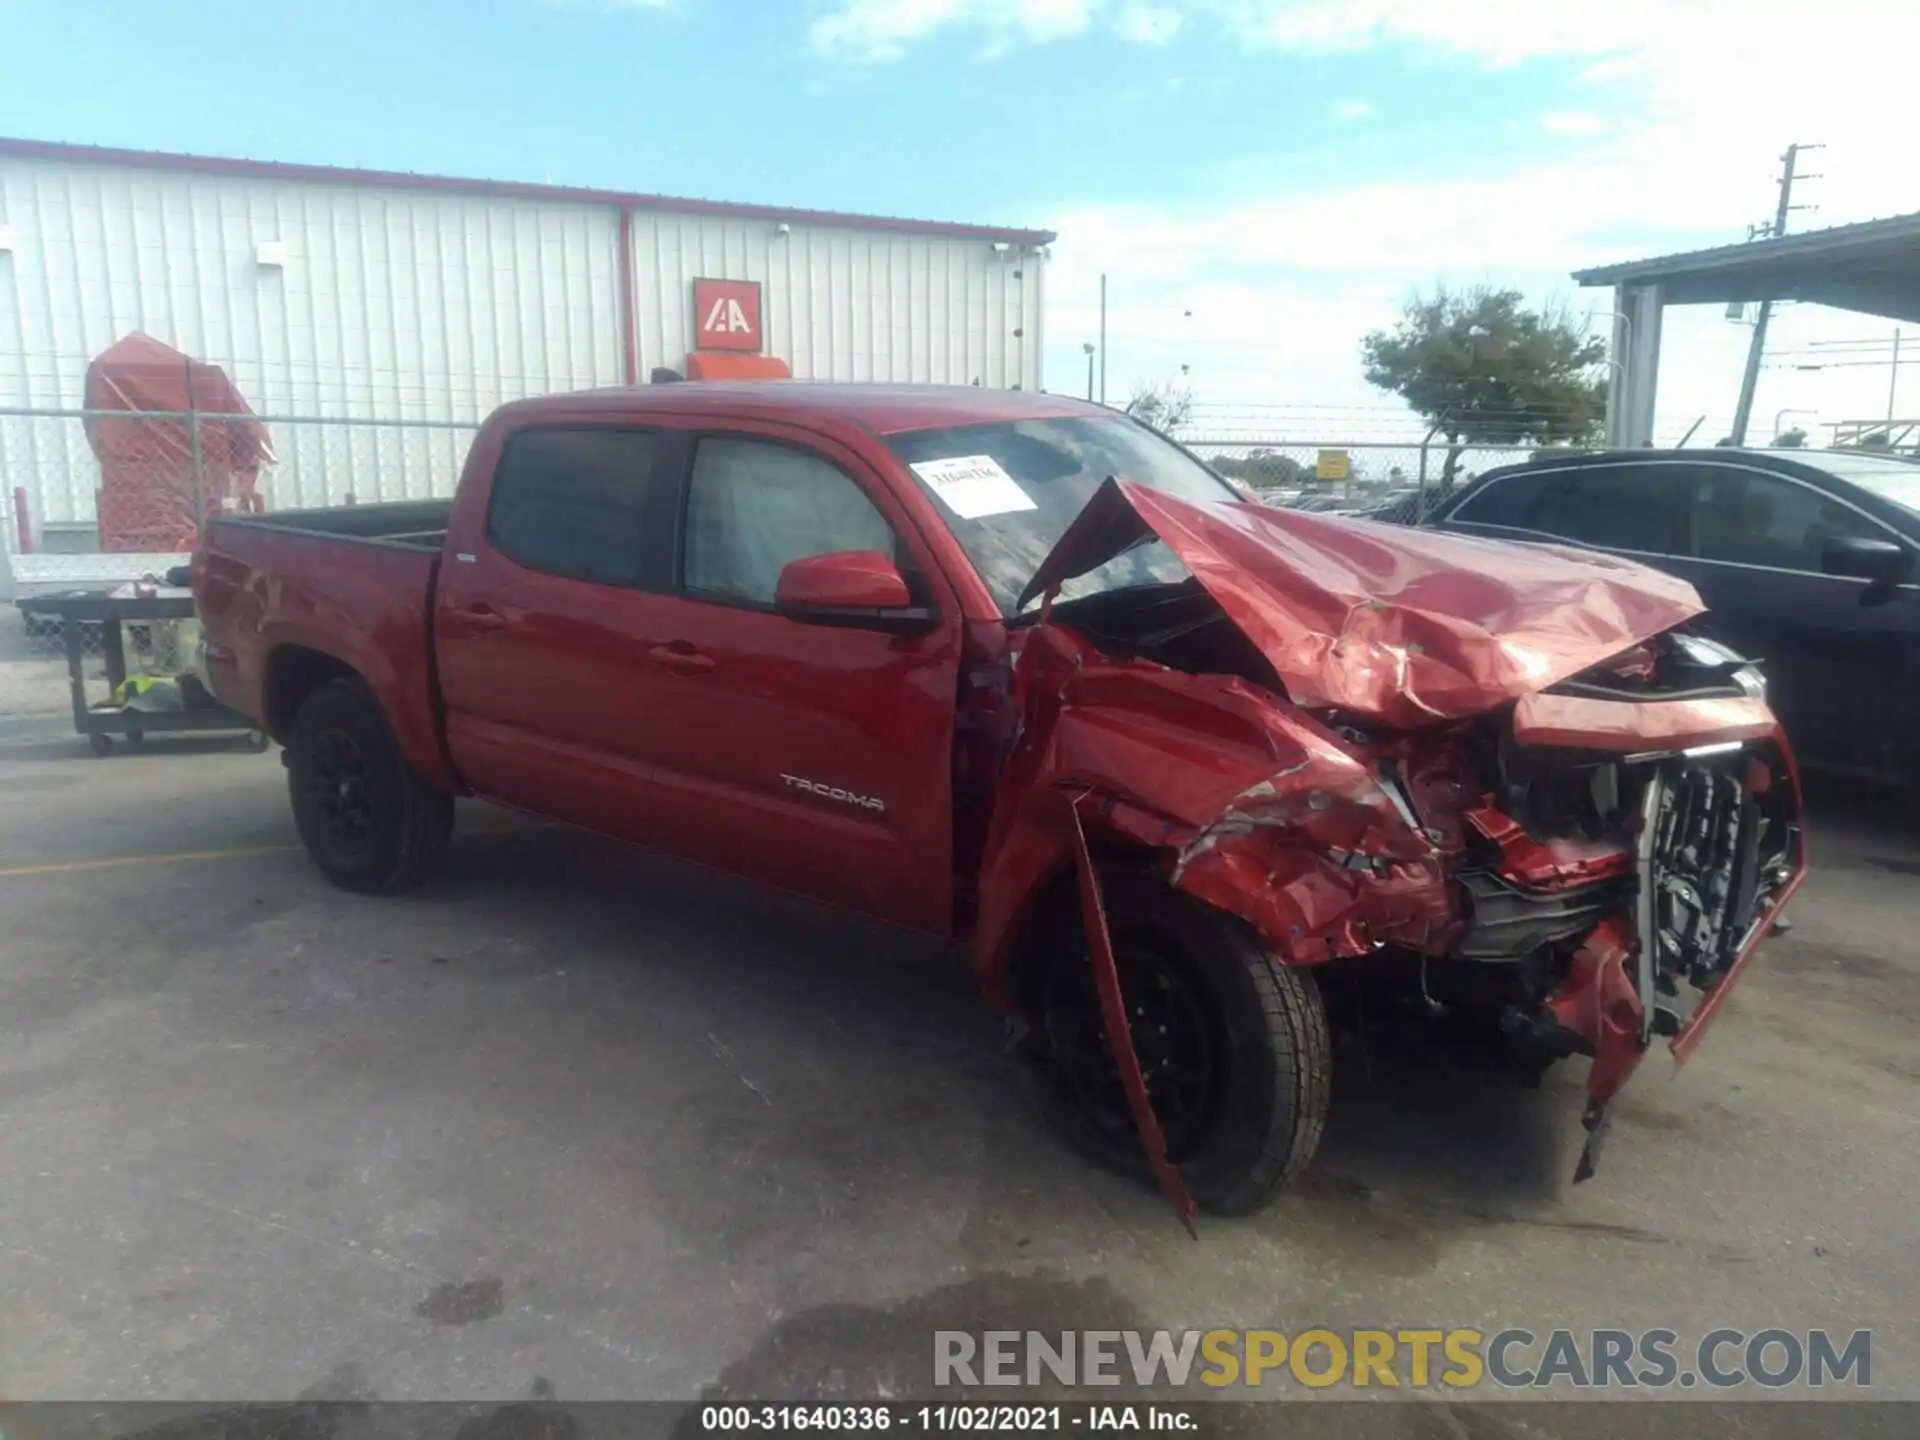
(1163, 406)
(1263, 469)
(1794, 439)
(1482, 369)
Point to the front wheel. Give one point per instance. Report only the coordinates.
(367, 819)
(1234, 1046)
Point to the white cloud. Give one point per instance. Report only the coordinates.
(612, 7)
(1352, 109)
(1148, 24)
(880, 30)
(884, 29)
(1681, 110)
(1497, 32)
(1574, 122)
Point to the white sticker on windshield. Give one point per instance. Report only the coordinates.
(973, 486)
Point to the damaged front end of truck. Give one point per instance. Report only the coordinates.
(1495, 788)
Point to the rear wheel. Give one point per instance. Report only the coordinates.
(367, 819)
(1233, 1046)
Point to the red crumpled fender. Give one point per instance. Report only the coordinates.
(1248, 804)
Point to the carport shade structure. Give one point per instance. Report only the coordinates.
(1872, 267)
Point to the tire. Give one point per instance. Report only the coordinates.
(368, 820)
(1253, 1122)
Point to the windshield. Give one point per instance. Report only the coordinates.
(1895, 480)
(1009, 489)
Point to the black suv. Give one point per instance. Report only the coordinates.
(1805, 560)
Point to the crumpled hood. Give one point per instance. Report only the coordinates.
(1403, 626)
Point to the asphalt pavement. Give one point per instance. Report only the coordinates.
(580, 1121)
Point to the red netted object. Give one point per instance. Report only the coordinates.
(153, 488)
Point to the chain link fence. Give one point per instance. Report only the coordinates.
(1385, 479)
(101, 500)
(97, 500)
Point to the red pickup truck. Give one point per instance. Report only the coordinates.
(1193, 777)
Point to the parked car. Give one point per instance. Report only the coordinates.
(1387, 505)
(1405, 507)
(1185, 771)
(1805, 559)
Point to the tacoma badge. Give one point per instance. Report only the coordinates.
(834, 792)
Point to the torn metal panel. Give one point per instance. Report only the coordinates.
(1599, 1002)
(1113, 1012)
(1547, 864)
(1262, 811)
(1497, 770)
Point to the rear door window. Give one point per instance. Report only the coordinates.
(1745, 518)
(575, 502)
(1636, 508)
(1507, 501)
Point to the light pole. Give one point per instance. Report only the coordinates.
(1088, 347)
(1626, 324)
(1781, 415)
(1893, 383)
(1617, 369)
(1103, 340)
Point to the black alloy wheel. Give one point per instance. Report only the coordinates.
(1233, 1045)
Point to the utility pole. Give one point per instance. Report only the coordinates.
(1756, 348)
(1893, 385)
(1103, 340)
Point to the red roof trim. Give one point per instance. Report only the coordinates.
(501, 189)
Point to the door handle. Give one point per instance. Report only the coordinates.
(479, 617)
(681, 658)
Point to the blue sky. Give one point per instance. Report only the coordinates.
(685, 98)
(1286, 170)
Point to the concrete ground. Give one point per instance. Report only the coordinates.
(583, 1119)
(33, 670)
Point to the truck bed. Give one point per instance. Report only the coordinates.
(411, 524)
(301, 593)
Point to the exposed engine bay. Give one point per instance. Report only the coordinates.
(1546, 841)
(1543, 813)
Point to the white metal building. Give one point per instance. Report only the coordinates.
(332, 293)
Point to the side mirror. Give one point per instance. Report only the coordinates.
(1881, 563)
(861, 589)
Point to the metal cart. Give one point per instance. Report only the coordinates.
(101, 722)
